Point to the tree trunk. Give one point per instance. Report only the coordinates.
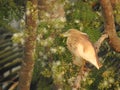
(114, 40)
(30, 45)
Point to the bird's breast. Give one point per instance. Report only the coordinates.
(74, 47)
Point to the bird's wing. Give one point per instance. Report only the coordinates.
(71, 44)
(86, 50)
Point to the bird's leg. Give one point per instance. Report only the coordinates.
(77, 61)
(83, 69)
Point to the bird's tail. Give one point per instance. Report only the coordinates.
(100, 65)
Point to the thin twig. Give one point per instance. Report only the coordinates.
(99, 42)
(13, 86)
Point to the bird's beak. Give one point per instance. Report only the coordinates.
(61, 35)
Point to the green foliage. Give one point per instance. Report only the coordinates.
(117, 13)
(93, 34)
(53, 60)
(18, 38)
(11, 10)
(80, 16)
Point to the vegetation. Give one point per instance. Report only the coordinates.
(53, 67)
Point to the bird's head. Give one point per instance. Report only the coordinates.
(72, 32)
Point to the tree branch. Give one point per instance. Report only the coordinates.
(99, 42)
(13, 86)
(80, 76)
(114, 40)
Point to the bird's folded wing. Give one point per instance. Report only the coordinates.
(88, 53)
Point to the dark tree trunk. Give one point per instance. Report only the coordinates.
(30, 45)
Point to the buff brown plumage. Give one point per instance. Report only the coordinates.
(80, 46)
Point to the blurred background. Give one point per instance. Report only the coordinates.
(53, 66)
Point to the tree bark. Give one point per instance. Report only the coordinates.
(30, 45)
(114, 40)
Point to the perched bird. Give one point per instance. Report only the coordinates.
(79, 45)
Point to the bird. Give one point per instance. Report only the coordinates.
(82, 49)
